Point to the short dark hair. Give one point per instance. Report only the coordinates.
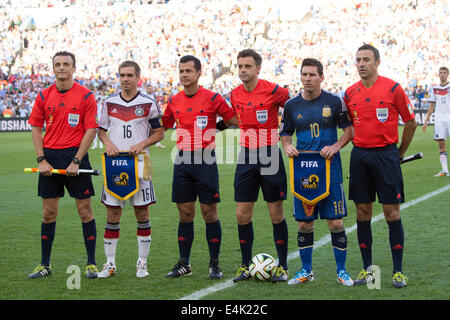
(251, 53)
(443, 68)
(375, 51)
(66, 54)
(129, 63)
(311, 62)
(197, 63)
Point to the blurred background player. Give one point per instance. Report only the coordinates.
(195, 111)
(440, 99)
(256, 103)
(325, 111)
(97, 143)
(133, 121)
(69, 112)
(375, 104)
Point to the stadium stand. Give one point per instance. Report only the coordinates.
(413, 38)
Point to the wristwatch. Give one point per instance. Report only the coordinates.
(76, 160)
(40, 159)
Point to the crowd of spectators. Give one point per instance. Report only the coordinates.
(412, 36)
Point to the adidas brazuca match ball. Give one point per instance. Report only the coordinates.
(262, 266)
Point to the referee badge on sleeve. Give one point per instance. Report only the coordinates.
(410, 108)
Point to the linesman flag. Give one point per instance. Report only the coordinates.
(120, 175)
(310, 178)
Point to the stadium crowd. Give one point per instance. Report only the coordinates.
(413, 38)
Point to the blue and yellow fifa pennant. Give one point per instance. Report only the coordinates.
(120, 175)
(310, 178)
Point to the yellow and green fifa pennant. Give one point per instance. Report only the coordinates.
(120, 175)
(309, 178)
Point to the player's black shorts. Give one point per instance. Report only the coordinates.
(257, 168)
(79, 187)
(376, 171)
(195, 174)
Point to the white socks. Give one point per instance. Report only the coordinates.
(110, 250)
(143, 246)
(443, 159)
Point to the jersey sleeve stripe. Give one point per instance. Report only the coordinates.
(87, 95)
(155, 103)
(214, 96)
(42, 96)
(344, 106)
(395, 86)
(275, 90)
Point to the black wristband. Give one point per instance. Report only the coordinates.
(221, 125)
(76, 160)
(40, 159)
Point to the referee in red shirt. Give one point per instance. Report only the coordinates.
(375, 104)
(256, 103)
(69, 112)
(194, 110)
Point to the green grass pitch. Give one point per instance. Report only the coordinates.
(425, 222)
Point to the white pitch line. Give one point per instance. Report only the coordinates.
(320, 243)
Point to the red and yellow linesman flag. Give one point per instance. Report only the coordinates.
(310, 178)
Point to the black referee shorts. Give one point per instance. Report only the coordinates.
(195, 174)
(263, 169)
(376, 171)
(79, 187)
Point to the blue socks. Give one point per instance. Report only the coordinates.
(246, 236)
(280, 236)
(185, 238)
(305, 240)
(396, 240)
(364, 231)
(339, 243)
(90, 239)
(47, 237)
(214, 238)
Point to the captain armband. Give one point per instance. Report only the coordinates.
(220, 125)
(343, 119)
(155, 123)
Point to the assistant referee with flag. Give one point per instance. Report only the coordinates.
(375, 104)
(69, 112)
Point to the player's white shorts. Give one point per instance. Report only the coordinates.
(441, 130)
(145, 196)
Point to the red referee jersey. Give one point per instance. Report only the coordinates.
(66, 115)
(196, 118)
(257, 113)
(375, 112)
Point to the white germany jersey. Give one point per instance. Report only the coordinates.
(441, 96)
(128, 121)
